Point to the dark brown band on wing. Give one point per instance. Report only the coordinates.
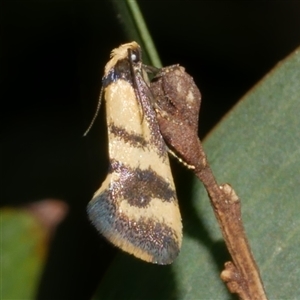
(138, 187)
(121, 70)
(131, 138)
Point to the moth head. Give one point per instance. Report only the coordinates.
(134, 55)
(131, 51)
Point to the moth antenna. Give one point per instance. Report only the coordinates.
(96, 113)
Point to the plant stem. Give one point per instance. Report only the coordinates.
(242, 276)
(178, 103)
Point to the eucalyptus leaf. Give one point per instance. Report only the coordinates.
(256, 148)
(23, 251)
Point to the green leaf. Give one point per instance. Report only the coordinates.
(256, 149)
(23, 251)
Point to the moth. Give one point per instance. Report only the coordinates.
(136, 207)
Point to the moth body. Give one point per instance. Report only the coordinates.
(136, 206)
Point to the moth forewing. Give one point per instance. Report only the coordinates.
(136, 206)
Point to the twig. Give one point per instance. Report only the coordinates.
(178, 104)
